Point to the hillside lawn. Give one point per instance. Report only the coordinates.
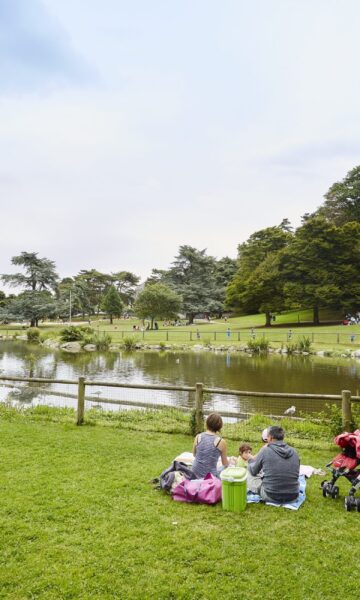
(80, 520)
(331, 335)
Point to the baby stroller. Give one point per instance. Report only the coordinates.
(345, 465)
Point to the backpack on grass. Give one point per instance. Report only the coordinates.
(167, 478)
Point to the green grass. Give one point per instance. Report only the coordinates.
(333, 337)
(79, 520)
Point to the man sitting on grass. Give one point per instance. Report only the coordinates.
(280, 464)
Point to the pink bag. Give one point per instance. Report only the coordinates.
(202, 491)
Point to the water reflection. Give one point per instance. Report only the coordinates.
(274, 373)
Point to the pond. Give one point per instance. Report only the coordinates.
(237, 371)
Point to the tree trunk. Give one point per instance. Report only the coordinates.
(316, 319)
(33, 322)
(152, 323)
(190, 318)
(268, 319)
(111, 319)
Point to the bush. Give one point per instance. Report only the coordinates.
(33, 335)
(260, 346)
(304, 344)
(101, 342)
(129, 343)
(75, 334)
(162, 346)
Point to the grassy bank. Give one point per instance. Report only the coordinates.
(234, 333)
(80, 520)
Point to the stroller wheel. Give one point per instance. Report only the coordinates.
(323, 483)
(335, 492)
(324, 489)
(348, 503)
(357, 504)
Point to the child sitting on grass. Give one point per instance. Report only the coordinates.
(245, 452)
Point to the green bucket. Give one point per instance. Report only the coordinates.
(233, 480)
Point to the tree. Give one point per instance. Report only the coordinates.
(157, 301)
(321, 266)
(342, 201)
(193, 276)
(126, 283)
(94, 284)
(257, 285)
(38, 280)
(30, 306)
(39, 273)
(112, 303)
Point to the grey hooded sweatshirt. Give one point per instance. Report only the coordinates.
(280, 464)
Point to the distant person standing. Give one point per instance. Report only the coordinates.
(228, 332)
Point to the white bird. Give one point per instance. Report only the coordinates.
(290, 411)
(177, 361)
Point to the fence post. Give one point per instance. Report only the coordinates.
(214, 336)
(199, 414)
(338, 338)
(167, 335)
(238, 336)
(346, 409)
(81, 401)
(190, 336)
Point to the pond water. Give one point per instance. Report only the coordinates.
(273, 373)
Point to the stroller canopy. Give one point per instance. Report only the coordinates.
(349, 440)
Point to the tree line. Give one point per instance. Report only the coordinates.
(316, 266)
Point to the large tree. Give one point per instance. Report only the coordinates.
(321, 266)
(94, 284)
(342, 201)
(126, 284)
(38, 281)
(193, 276)
(157, 301)
(112, 303)
(257, 285)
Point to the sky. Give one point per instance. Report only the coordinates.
(128, 129)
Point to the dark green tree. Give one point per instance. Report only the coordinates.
(126, 284)
(193, 276)
(157, 301)
(38, 281)
(112, 304)
(321, 266)
(342, 201)
(94, 284)
(257, 285)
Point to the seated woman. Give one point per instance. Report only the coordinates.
(208, 447)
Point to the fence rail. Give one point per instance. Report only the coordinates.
(198, 389)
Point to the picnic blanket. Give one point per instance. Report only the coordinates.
(294, 505)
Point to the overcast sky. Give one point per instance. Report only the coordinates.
(130, 127)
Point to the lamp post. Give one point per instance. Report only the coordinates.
(70, 308)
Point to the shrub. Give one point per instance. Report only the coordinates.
(75, 334)
(291, 347)
(33, 335)
(260, 346)
(162, 346)
(304, 344)
(101, 342)
(129, 343)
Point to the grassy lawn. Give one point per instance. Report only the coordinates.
(336, 337)
(79, 520)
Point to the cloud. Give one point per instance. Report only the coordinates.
(35, 51)
(304, 155)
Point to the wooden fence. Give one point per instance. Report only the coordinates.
(199, 390)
